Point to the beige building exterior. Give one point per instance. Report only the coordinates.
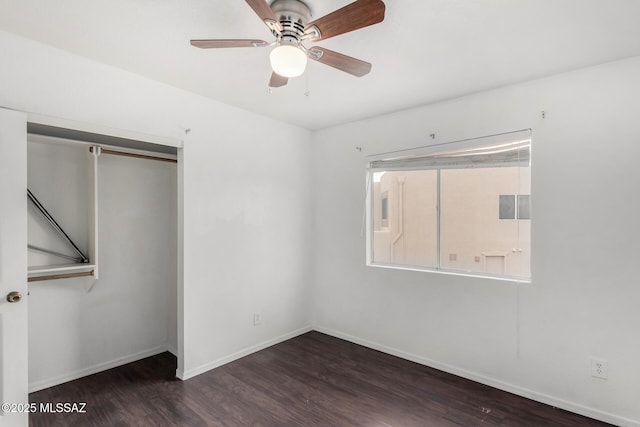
(473, 237)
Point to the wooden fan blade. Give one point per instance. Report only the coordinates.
(277, 80)
(264, 12)
(224, 43)
(356, 15)
(342, 62)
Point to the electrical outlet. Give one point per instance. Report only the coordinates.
(598, 368)
(257, 319)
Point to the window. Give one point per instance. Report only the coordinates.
(384, 209)
(508, 206)
(458, 207)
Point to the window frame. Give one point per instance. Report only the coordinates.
(369, 207)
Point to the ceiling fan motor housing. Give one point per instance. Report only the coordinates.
(293, 16)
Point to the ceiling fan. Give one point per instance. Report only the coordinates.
(288, 21)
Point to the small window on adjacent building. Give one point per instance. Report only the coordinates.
(507, 206)
(384, 209)
(514, 206)
(523, 206)
(434, 208)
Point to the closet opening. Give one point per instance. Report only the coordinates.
(106, 294)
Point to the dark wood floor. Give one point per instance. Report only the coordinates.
(311, 380)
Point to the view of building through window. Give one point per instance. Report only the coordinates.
(473, 220)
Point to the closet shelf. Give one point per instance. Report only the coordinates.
(74, 154)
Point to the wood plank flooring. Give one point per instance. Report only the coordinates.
(311, 380)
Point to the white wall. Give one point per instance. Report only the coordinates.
(248, 237)
(535, 339)
(77, 327)
(245, 186)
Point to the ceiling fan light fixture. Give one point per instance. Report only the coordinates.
(288, 61)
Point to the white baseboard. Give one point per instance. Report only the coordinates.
(190, 373)
(501, 385)
(50, 382)
(511, 388)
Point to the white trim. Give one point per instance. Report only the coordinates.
(171, 349)
(102, 130)
(46, 139)
(50, 382)
(492, 382)
(426, 150)
(473, 376)
(180, 328)
(190, 373)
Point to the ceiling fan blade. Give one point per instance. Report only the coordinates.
(342, 62)
(264, 12)
(359, 14)
(224, 43)
(277, 80)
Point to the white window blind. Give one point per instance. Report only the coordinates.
(504, 150)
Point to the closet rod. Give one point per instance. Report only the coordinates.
(60, 276)
(139, 156)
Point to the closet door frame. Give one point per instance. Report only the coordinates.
(108, 136)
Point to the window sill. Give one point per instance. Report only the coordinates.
(452, 273)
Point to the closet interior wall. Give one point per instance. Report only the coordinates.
(81, 325)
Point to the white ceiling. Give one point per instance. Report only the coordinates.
(424, 51)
